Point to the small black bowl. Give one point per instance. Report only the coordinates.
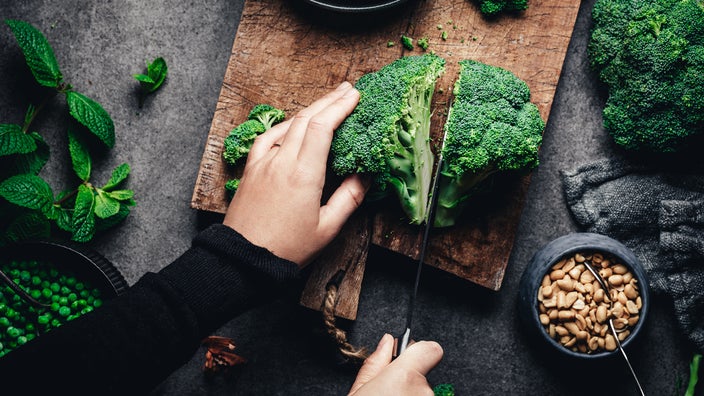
(542, 263)
(81, 261)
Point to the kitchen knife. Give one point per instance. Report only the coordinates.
(401, 343)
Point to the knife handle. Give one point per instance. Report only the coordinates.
(401, 343)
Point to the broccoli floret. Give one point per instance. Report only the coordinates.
(238, 143)
(387, 135)
(407, 42)
(494, 7)
(444, 390)
(650, 56)
(231, 187)
(423, 43)
(491, 127)
(267, 115)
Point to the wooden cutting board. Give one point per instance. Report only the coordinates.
(283, 57)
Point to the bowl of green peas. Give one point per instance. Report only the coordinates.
(45, 284)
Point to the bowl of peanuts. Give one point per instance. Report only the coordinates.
(562, 299)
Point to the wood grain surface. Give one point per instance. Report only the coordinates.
(283, 56)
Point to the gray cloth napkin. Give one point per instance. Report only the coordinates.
(657, 214)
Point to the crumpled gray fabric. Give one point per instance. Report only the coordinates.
(657, 214)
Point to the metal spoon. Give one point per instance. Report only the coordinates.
(604, 286)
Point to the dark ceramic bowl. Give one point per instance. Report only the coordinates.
(542, 263)
(81, 261)
(355, 6)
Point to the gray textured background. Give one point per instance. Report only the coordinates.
(100, 44)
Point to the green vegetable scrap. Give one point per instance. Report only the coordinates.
(443, 35)
(387, 135)
(28, 207)
(407, 42)
(423, 43)
(491, 127)
(494, 7)
(68, 297)
(231, 187)
(156, 74)
(650, 56)
(444, 390)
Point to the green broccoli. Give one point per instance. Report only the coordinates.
(494, 7)
(650, 56)
(444, 390)
(387, 135)
(491, 127)
(240, 139)
(423, 43)
(407, 42)
(267, 115)
(231, 187)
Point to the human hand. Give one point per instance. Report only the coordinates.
(380, 375)
(278, 202)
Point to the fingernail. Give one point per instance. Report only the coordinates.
(351, 92)
(343, 86)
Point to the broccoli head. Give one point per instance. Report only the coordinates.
(494, 7)
(387, 135)
(650, 56)
(240, 139)
(231, 187)
(491, 127)
(267, 115)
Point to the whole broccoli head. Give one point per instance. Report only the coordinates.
(650, 55)
(493, 7)
(491, 127)
(267, 115)
(240, 139)
(387, 135)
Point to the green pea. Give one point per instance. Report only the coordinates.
(4, 322)
(47, 293)
(36, 294)
(26, 276)
(72, 297)
(36, 281)
(63, 300)
(53, 272)
(70, 281)
(84, 294)
(13, 332)
(55, 306)
(55, 287)
(43, 319)
(65, 290)
(64, 311)
(80, 286)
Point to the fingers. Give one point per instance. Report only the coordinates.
(316, 142)
(375, 363)
(263, 143)
(342, 203)
(422, 356)
(299, 126)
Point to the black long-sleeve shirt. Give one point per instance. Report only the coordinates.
(133, 342)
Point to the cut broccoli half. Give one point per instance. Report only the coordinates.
(388, 133)
(494, 7)
(491, 127)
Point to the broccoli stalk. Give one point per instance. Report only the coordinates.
(650, 56)
(491, 127)
(388, 133)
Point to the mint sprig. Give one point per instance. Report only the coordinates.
(156, 74)
(28, 207)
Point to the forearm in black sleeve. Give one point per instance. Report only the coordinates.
(135, 341)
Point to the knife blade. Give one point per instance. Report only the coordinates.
(401, 343)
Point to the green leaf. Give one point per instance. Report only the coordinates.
(121, 195)
(156, 74)
(31, 162)
(105, 205)
(121, 215)
(29, 191)
(64, 220)
(83, 220)
(37, 53)
(92, 115)
(28, 225)
(14, 141)
(119, 174)
(80, 157)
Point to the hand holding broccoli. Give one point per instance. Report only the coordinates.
(278, 202)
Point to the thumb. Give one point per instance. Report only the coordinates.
(421, 356)
(376, 362)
